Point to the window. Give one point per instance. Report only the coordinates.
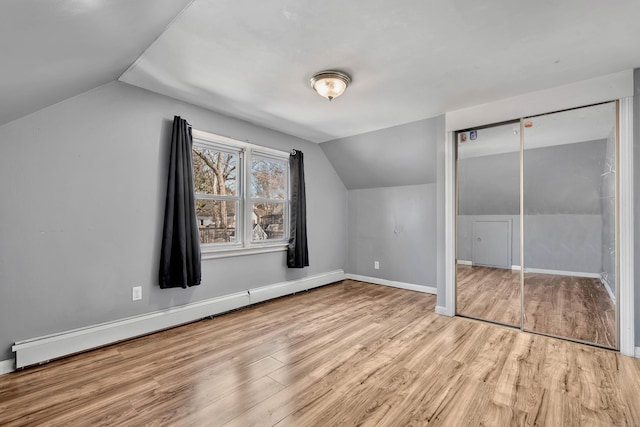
(269, 197)
(242, 194)
(215, 179)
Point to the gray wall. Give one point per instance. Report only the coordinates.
(562, 206)
(489, 185)
(397, 227)
(83, 186)
(564, 179)
(563, 242)
(391, 175)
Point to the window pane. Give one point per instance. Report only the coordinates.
(214, 171)
(268, 178)
(268, 221)
(216, 221)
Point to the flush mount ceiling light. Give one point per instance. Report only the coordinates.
(330, 84)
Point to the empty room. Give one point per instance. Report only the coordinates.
(296, 213)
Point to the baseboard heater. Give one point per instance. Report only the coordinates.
(42, 349)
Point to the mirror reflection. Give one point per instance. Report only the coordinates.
(569, 224)
(488, 224)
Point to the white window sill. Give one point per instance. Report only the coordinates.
(211, 253)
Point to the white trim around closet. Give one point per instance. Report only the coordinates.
(625, 234)
(449, 308)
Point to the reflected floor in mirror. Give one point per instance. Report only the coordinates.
(489, 293)
(575, 307)
(568, 306)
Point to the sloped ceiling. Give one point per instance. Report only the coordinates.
(53, 50)
(251, 59)
(390, 157)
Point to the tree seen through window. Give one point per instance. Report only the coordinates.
(225, 214)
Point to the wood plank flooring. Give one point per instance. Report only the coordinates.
(346, 354)
(488, 293)
(574, 307)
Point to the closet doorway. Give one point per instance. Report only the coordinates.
(536, 225)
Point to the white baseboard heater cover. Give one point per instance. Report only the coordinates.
(43, 349)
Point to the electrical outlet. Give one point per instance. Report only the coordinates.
(376, 265)
(136, 293)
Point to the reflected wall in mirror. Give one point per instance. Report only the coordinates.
(569, 167)
(488, 224)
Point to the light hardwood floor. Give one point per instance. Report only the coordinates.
(573, 307)
(488, 293)
(346, 354)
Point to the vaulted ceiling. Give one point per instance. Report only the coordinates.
(409, 59)
(52, 50)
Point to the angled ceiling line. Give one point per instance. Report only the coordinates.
(175, 18)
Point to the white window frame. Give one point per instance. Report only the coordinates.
(244, 214)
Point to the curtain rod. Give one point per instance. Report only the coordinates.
(292, 152)
(221, 139)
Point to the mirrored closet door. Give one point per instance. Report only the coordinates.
(569, 215)
(537, 224)
(488, 224)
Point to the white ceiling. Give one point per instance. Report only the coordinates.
(409, 59)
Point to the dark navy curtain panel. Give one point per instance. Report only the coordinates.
(297, 251)
(180, 257)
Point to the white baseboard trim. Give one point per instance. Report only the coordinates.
(42, 349)
(607, 287)
(558, 272)
(7, 366)
(394, 284)
(464, 262)
(265, 293)
(638, 352)
(442, 310)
